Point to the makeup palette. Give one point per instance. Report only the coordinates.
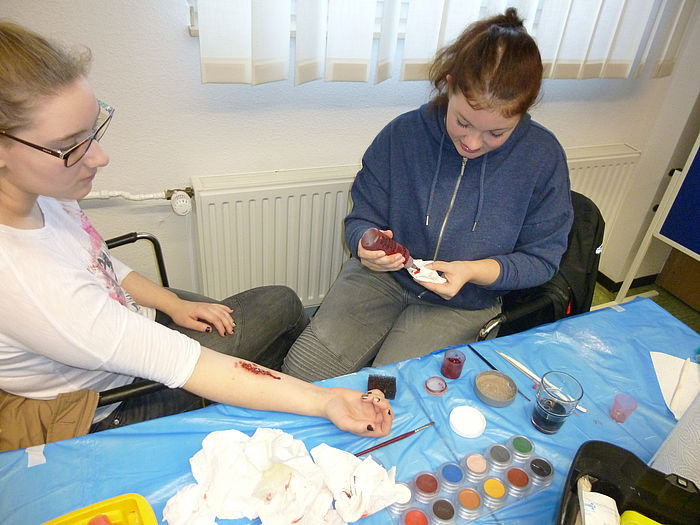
(475, 486)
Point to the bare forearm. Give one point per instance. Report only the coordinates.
(147, 293)
(238, 382)
(234, 381)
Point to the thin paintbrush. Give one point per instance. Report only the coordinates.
(529, 373)
(394, 440)
(488, 363)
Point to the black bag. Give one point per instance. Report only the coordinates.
(571, 289)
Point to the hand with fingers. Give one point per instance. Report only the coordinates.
(203, 316)
(378, 260)
(368, 414)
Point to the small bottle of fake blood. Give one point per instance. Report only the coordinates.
(374, 239)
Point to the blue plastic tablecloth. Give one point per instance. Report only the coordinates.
(608, 350)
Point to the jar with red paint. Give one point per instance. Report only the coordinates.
(452, 363)
(426, 486)
(518, 482)
(414, 516)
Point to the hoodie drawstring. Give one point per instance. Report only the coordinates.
(481, 192)
(435, 178)
(449, 209)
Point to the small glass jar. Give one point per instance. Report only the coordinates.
(541, 471)
(499, 457)
(414, 515)
(494, 493)
(521, 447)
(518, 482)
(476, 467)
(468, 504)
(425, 486)
(403, 500)
(442, 512)
(451, 476)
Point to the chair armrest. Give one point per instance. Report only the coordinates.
(129, 238)
(513, 313)
(121, 393)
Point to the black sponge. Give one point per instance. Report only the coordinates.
(387, 384)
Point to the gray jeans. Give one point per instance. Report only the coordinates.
(368, 317)
(268, 320)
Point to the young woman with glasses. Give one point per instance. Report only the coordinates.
(74, 320)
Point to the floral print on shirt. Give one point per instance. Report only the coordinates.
(100, 263)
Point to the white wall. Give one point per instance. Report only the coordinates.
(168, 126)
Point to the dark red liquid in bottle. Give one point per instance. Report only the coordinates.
(373, 239)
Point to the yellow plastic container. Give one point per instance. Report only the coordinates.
(127, 509)
(630, 517)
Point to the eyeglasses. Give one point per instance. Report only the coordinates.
(72, 155)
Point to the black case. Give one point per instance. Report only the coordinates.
(668, 499)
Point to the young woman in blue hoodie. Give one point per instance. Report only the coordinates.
(468, 181)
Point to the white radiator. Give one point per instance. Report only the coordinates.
(603, 174)
(279, 227)
(286, 227)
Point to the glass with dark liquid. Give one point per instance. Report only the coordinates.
(557, 396)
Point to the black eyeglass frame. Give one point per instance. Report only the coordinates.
(65, 155)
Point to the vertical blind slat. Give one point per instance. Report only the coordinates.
(249, 40)
(349, 40)
(310, 45)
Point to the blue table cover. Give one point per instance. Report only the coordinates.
(608, 350)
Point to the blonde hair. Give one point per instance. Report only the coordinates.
(494, 63)
(32, 67)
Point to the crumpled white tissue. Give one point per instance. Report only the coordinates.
(271, 475)
(427, 275)
(359, 487)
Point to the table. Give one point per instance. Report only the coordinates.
(607, 350)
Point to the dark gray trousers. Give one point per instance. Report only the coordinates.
(268, 320)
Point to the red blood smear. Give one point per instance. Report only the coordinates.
(259, 371)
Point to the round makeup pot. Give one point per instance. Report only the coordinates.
(495, 388)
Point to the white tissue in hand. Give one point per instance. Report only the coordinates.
(427, 275)
(360, 488)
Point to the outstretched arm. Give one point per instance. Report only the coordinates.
(238, 382)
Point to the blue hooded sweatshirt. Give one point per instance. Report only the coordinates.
(512, 204)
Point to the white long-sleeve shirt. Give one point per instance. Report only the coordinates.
(66, 324)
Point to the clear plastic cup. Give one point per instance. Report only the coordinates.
(557, 396)
(623, 406)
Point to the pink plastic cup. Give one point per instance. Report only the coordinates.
(623, 406)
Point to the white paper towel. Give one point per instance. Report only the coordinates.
(271, 475)
(421, 273)
(679, 453)
(679, 381)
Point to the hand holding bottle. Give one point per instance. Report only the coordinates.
(379, 252)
